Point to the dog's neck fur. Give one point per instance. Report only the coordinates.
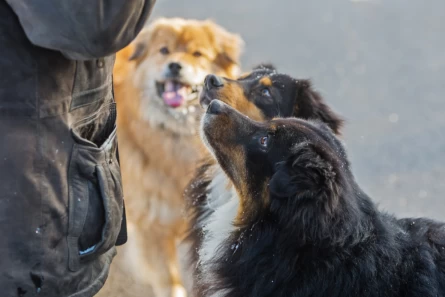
(264, 257)
(216, 221)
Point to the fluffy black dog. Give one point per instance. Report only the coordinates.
(301, 225)
(262, 94)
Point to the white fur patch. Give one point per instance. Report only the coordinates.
(218, 193)
(179, 291)
(219, 226)
(221, 293)
(223, 202)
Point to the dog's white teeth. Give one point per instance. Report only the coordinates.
(192, 108)
(184, 111)
(191, 97)
(197, 88)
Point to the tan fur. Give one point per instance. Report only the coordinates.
(159, 149)
(266, 81)
(220, 136)
(232, 93)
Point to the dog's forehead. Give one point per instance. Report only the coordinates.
(289, 123)
(184, 34)
(256, 74)
(266, 77)
(194, 34)
(291, 127)
(312, 130)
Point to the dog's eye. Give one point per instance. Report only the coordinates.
(164, 50)
(264, 140)
(265, 92)
(197, 54)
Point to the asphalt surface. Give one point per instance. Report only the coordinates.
(381, 64)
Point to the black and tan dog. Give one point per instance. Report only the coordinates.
(261, 95)
(301, 225)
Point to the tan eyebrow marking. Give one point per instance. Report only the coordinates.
(266, 81)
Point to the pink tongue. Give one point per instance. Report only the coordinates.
(174, 93)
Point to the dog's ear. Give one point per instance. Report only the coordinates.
(229, 46)
(282, 183)
(309, 104)
(266, 66)
(140, 48)
(140, 44)
(307, 173)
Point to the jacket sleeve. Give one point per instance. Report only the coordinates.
(82, 29)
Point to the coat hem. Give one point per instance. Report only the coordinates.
(95, 286)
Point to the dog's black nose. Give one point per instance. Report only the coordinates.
(174, 68)
(212, 81)
(215, 107)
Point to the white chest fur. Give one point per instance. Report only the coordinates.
(219, 225)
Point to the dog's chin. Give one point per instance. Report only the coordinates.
(210, 134)
(214, 142)
(206, 131)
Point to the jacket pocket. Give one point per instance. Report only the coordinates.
(95, 188)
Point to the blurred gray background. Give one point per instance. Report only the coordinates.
(380, 63)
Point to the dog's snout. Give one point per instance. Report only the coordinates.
(213, 81)
(204, 101)
(175, 68)
(215, 107)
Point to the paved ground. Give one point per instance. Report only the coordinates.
(381, 63)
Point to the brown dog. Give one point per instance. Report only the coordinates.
(158, 114)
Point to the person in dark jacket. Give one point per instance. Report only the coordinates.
(61, 202)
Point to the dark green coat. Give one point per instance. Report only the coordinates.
(61, 202)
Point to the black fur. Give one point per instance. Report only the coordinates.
(314, 107)
(196, 201)
(263, 66)
(321, 235)
(294, 98)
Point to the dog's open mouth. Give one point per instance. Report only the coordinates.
(175, 93)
